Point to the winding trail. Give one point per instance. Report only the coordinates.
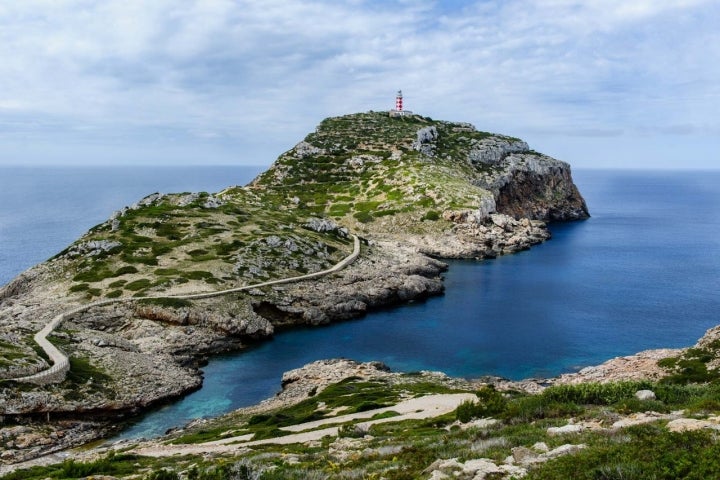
(61, 363)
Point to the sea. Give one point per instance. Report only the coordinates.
(643, 272)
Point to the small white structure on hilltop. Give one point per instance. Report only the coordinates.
(399, 112)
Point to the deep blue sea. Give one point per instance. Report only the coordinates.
(642, 273)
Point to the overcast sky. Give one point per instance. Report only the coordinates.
(598, 83)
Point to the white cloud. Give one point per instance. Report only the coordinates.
(259, 75)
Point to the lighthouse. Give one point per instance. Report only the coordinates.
(399, 112)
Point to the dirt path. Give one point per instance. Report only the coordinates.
(61, 364)
(418, 408)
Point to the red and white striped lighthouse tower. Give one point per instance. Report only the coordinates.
(398, 101)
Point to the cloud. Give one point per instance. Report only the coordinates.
(259, 75)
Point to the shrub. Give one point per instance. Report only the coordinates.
(431, 215)
(492, 401)
(467, 410)
(363, 217)
(594, 393)
(650, 452)
(162, 474)
(80, 287)
(138, 285)
(167, 302)
(535, 407)
(369, 405)
(353, 431)
(125, 270)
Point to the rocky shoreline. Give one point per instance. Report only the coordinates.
(420, 192)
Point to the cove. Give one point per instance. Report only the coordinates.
(642, 273)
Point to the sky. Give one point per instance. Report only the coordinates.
(597, 83)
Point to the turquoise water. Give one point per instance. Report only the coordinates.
(642, 273)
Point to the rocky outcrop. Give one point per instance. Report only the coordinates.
(492, 150)
(425, 141)
(537, 187)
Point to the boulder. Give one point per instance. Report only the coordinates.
(645, 395)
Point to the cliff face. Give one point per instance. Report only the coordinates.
(537, 187)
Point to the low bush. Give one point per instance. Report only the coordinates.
(167, 302)
(80, 287)
(138, 285)
(127, 269)
(431, 215)
(650, 452)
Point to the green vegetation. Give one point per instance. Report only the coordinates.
(138, 285)
(167, 302)
(647, 451)
(109, 465)
(404, 450)
(348, 396)
(84, 378)
(361, 170)
(692, 365)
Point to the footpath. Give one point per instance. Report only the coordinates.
(61, 364)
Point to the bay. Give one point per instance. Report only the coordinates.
(642, 273)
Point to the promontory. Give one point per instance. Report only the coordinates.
(353, 218)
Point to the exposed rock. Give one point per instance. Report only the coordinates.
(565, 429)
(566, 449)
(641, 418)
(426, 137)
(641, 366)
(692, 424)
(645, 395)
(322, 225)
(273, 241)
(213, 202)
(93, 248)
(304, 149)
(492, 150)
(537, 187)
(524, 456)
(343, 448)
(187, 199)
(475, 469)
(314, 377)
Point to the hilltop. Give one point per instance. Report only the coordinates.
(411, 188)
(435, 183)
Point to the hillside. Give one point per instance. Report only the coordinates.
(407, 186)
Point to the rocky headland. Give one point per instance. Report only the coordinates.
(413, 189)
